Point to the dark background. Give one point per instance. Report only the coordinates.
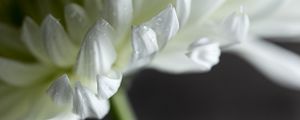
(233, 90)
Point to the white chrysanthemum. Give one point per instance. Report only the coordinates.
(79, 66)
(217, 21)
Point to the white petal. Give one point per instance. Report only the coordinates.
(59, 47)
(278, 64)
(31, 36)
(145, 46)
(77, 22)
(108, 84)
(97, 53)
(236, 26)
(86, 104)
(60, 90)
(205, 53)
(201, 9)
(119, 14)
(66, 116)
(274, 27)
(165, 25)
(183, 9)
(20, 74)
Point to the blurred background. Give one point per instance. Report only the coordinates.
(233, 90)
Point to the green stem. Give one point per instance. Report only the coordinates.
(120, 106)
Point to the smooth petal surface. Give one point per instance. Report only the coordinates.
(145, 46)
(200, 9)
(86, 104)
(77, 22)
(119, 14)
(97, 53)
(205, 53)
(20, 74)
(108, 84)
(183, 9)
(59, 47)
(277, 63)
(31, 36)
(165, 25)
(60, 90)
(66, 116)
(235, 27)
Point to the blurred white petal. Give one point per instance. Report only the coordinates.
(205, 53)
(77, 22)
(200, 9)
(20, 74)
(66, 116)
(60, 90)
(119, 14)
(236, 25)
(31, 36)
(86, 104)
(275, 62)
(165, 25)
(108, 84)
(183, 9)
(59, 47)
(97, 53)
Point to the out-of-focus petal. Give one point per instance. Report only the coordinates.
(205, 53)
(119, 14)
(58, 45)
(77, 22)
(275, 62)
(31, 36)
(183, 9)
(20, 74)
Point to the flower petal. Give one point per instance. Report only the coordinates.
(97, 53)
(20, 74)
(145, 46)
(31, 36)
(59, 47)
(236, 26)
(205, 53)
(60, 90)
(201, 9)
(77, 22)
(108, 84)
(86, 104)
(183, 9)
(66, 116)
(278, 64)
(119, 14)
(165, 25)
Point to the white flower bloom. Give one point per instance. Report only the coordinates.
(80, 59)
(269, 18)
(80, 64)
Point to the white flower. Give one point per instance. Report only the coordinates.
(216, 20)
(79, 65)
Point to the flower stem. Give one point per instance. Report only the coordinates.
(120, 106)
